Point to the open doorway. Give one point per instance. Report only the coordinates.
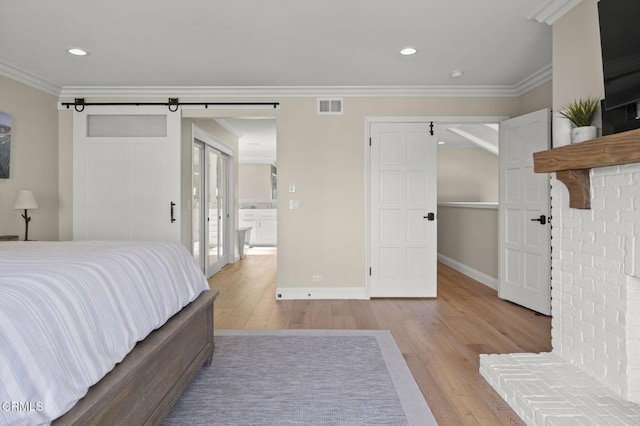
(257, 183)
(468, 194)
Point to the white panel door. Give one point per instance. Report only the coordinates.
(126, 174)
(403, 185)
(524, 229)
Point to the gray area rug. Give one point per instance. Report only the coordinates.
(303, 377)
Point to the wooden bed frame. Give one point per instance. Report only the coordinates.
(142, 389)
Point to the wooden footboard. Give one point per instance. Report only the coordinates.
(144, 386)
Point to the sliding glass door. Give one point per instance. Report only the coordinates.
(210, 209)
(197, 203)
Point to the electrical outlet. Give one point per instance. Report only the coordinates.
(294, 204)
(316, 278)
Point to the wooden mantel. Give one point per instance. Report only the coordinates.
(572, 163)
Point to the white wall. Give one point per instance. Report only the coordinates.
(595, 274)
(34, 165)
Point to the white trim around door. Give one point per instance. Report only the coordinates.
(229, 239)
(367, 159)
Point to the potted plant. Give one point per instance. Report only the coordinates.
(582, 113)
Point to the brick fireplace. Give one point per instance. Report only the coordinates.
(592, 375)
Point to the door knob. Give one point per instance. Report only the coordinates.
(542, 219)
(430, 216)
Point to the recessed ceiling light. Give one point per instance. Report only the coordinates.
(409, 51)
(441, 142)
(77, 51)
(456, 73)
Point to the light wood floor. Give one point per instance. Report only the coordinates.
(440, 338)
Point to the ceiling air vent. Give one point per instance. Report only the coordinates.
(330, 106)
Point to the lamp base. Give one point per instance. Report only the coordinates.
(27, 219)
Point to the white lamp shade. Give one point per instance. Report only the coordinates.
(25, 201)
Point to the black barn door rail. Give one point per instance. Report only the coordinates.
(173, 103)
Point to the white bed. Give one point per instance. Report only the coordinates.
(70, 311)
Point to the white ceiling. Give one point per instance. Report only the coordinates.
(467, 135)
(274, 43)
(256, 138)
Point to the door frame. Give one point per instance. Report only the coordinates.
(368, 120)
(502, 243)
(207, 139)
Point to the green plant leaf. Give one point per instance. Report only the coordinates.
(581, 112)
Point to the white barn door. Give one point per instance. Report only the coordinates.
(524, 229)
(126, 174)
(403, 185)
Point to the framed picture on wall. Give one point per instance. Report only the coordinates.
(5, 145)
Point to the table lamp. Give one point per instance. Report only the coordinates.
(25, 201)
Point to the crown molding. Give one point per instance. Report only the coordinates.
(29, 79)
(233, 92)
(534, 80)
(227, 127)
(553, 10)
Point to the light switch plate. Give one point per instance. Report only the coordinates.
(294, 204)
(292, 187)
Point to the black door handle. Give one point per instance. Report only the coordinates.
(542, 219)
(430, 216)
(172, 206)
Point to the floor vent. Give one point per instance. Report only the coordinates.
(330, 106)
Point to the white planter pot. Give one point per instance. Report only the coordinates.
(561, 128)
(581, 134)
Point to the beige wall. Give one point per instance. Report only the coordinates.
(467, 174)
(34, 165)
(470, 236)
(255, 182)
(577, 59)
(322, 155)
(537, 98)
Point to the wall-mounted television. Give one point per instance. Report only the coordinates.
(620, 43)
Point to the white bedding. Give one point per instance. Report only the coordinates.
(70, 311)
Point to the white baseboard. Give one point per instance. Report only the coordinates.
(481, 277)
(359, 293)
